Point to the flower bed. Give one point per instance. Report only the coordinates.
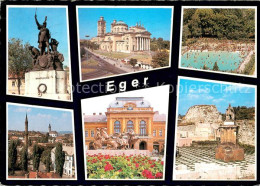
(123, 167)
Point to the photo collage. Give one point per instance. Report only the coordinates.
(145, 93)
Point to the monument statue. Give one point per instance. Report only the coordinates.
(43, 36)
(50, 59)
(47, 78)
(230, 114)
(115, 141)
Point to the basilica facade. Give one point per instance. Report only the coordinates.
(130, 113)
(122, 38)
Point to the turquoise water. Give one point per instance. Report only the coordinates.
(226, 61)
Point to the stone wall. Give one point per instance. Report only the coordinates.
(246, 132)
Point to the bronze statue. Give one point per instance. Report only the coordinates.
(35, 54)
(115, 141)
(98, 140)
(43, 36)
(42, 60)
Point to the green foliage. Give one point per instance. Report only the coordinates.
(159, 44)
(43, 139)
(160, 59)
(123, 167)
(46, 159)
(244, 112)
(235, 24)
(12, 156)
(215, 67)
(37, 151)
(59, 159)
(89, 44)
(250, 66)
(24, 159)
(19, 60)
(133, 62)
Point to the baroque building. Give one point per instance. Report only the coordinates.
(124, 114)
(122, 38)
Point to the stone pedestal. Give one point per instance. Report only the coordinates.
(229, 152)
(50, 84)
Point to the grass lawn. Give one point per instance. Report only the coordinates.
(90, 62)
(87, 70)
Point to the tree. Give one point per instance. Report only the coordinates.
(24, 159)
(19, 60)
(160, 59)
(133, 62)
(46, 159)
(12, 156)
(215, 67)
(37, 151)
(59, 159)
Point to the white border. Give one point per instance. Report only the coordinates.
(176, 128)
(79, 57)
(68, 39)
(73, 132)
(165, 147)
(220, 7)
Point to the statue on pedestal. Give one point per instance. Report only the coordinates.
(46, 58)
(115, 141)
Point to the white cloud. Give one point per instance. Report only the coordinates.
(23, 109)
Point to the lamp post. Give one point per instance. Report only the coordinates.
(87, 46)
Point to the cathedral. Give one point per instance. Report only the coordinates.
(130, 113)
(122, 38)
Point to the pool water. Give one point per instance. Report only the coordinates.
(226, 61)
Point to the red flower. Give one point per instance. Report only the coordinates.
(94, 161)
(108, 167)
(158, 175)
(161, 162)
(136, 165)
(152, 166)
(147, 174)
(120, 170)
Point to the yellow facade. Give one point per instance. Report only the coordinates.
(147, 124)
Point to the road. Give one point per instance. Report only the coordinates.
(104, 68)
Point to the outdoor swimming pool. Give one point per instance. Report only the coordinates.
(226, 61)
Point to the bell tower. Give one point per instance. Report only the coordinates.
(101, 26)
(49, 128)
(26, 131)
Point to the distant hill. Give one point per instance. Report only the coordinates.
(65, 132)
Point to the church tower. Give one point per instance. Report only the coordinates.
(49, 128)
(101, 26)
(26, 131)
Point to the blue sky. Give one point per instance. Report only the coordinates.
(21, 24)
(155, 20)
(38, 118)
(193, 92)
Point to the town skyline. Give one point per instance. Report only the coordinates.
(150, 18)
(38, 118)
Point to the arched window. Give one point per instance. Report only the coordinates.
(117, 127)
(142, 127)
(130, 125)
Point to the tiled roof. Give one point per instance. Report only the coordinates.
(95, 118)
(159, 117)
